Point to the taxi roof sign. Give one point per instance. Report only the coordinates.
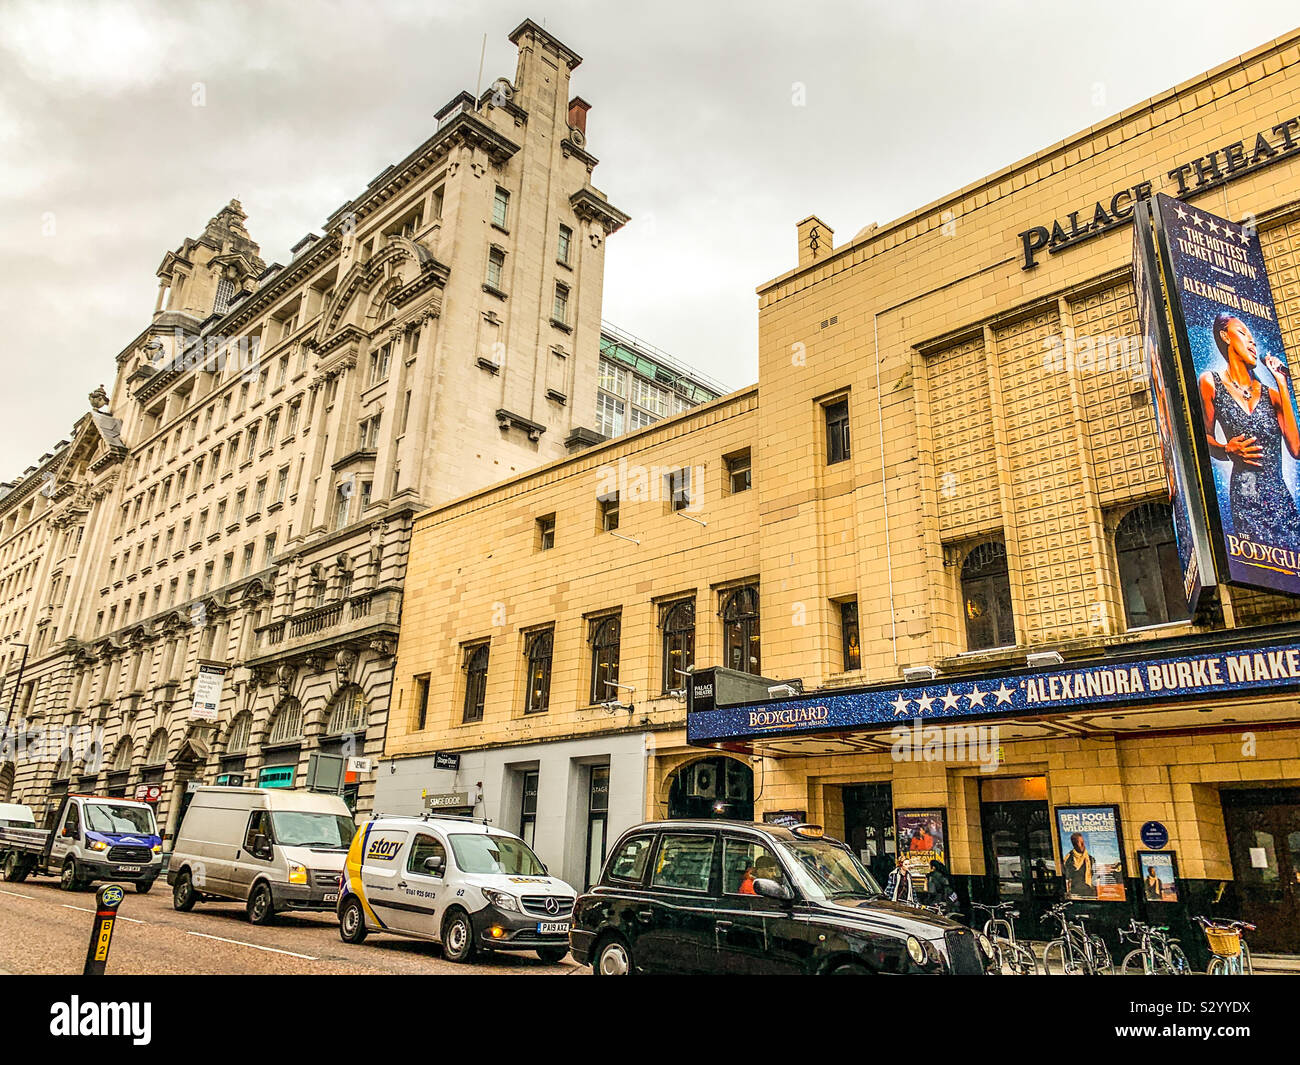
(808, 831)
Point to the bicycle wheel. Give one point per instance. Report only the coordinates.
(1246, 967)
(1102, 963)
(1178, 963)
(1058, 959)
(1217, 967)
(1135, 964)
(1020, 960)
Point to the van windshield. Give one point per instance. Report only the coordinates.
(295, 828)
(495, 854)
(110, 817)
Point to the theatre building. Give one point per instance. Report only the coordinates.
(944, 504)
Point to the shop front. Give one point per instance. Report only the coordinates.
(1161, 781)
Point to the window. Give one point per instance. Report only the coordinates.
(740, 631)
(251, 446)
(282, 372)
(248, 561)
(240, 497)
(679, 642)
(613, 379)
(562, 247)
(259, 496)
(546, 532)
(608, 510)
(295, 409)
(837, 431)
(238, 735)
(272, 424)
(287, 726)
(347, 712)
(501, 207)
(986, 597)
(366, 489)
(268, 549)
(685, 863)
(421, 702)
(539, 649)
(528, 808)
(639, 419)
(630, 863)
(368, 438)
(342, 500)
(281, 484)
(604, 639)
(227, 567)
(609, 415)
(476, 667)
(849, 639)
(422, 849)
(380, 363)
(560, 305)
(651, 397)
(677, 487)
(739, 477)
(157, 752)
(1150, 573)
(496, 268)
(259, 824)
(744, 862)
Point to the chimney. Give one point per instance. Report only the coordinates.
(578, 108)
(816, 241)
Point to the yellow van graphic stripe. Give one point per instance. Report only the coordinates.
(356, 853)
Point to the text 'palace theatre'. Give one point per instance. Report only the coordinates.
(998, 564)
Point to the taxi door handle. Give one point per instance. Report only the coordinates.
(722, 926)
(645, 915)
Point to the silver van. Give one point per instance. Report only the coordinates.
(270, 849)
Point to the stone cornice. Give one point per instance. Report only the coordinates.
(588, 205)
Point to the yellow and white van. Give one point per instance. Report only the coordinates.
(467, 885)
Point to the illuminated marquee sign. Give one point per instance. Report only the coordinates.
(1222, 673)
(1189, 179)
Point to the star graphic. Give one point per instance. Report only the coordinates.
(976, 696)
(1003, 693)
(1245, 237)
(925, 702)
(1214, 226)
(900, 706)
(1197, 220)
(1181, 213)
(950, 701)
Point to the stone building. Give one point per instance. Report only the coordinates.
(922, 492)
(241, 497)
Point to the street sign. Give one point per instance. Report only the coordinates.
(207, 693)
(445, 760)
(360, 765)
(148, 792)
(107, 900)
(446, 800)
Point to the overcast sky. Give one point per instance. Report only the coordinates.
(105, 162)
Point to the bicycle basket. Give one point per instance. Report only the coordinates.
(1224, 942)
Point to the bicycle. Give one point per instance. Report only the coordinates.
(1231, 955)
(1076, 951)
(1158, 954)
(1010, 952)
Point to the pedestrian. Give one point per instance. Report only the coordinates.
(899, 885)
(938, 886)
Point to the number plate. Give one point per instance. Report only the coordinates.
(552, 928)
(333, 896)
(128, 868)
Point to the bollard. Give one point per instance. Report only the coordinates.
(107, 900)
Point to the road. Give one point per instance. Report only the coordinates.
(46, 930)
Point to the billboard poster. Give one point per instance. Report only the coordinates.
(1159, 872)
(1161, 370)
(1092, 862)
(207, 693)
(922, 837)
(1239, 393)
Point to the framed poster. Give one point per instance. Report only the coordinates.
(785, 818)
(1159, 873)
(922, 837)
(1092, 854)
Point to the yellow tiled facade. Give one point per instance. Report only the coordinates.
(965, 427)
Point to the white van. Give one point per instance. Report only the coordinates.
(272, 850)
(467, 885)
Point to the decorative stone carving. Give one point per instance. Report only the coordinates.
(381, 647)
(98, 399)
(343, 663)
(285, 676)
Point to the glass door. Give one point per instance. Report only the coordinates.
(1264, 840)
(597, 822)
(1019, 862)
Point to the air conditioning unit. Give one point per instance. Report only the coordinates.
(704, 781)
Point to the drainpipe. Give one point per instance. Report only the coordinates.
(884, 488)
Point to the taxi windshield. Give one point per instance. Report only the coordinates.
(110, 817)
(495, 854)
(825, 871)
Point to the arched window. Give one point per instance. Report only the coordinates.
(986, 597)
(476, 667)
(540, 648)
(123, 755)
(604, 637)
(157, 753)
(740, 633)
(347, 711)
(1150, 573)
(287, 725)
(679, 642)
(239, 732)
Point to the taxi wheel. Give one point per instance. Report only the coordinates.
(352, 922)
(613, 958)
(850, 969)
(457, 937)
(183, 896)
(261, 906)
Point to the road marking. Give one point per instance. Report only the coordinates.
(255, 946)
(16, 895)
(82, 909)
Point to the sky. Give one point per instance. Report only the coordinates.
(125, 127)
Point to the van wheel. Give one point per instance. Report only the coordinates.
(69, 880)
(143, 887)
(261, 905)
(183, 896)
(457, 937)
(553, 955)
(613, 958)
(352, 922)
(15, 870)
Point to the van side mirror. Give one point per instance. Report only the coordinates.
(262, 846)
(433, 866)
(773, 889)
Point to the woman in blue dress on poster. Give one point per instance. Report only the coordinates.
(1256, 422)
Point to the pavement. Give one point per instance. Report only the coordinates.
(46, 930)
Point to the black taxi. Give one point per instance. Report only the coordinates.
(736, 897)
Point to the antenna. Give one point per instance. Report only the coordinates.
(478, 85)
